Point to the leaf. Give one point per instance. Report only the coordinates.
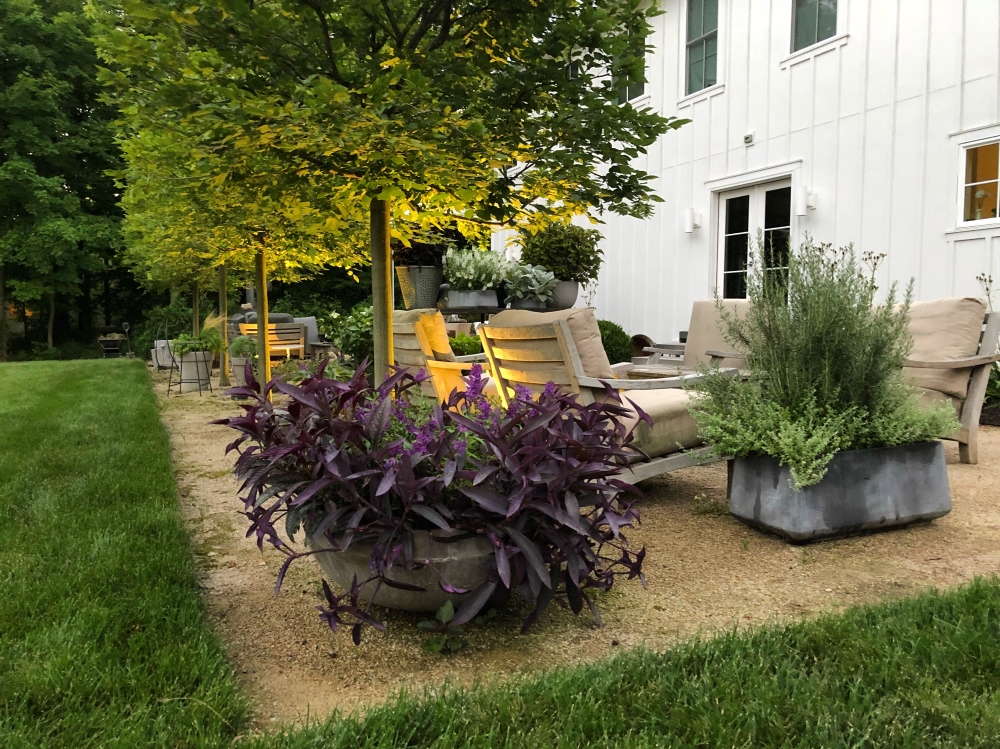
(488, 499)
(428, 514)
(473, 604)
(446, 613)
(503, 564)
(532, 554)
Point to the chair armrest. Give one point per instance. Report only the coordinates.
(963, 363)
(656, 383)
(665, 348)
(456, 365)
(622, 368)
(472, 358)
(725, 355)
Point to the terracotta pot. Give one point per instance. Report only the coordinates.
(463, 564)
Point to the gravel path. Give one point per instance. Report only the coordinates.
(705, 571)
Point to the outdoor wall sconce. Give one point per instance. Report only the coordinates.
(692, 220)
(805, 201)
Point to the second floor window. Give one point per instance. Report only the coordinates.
(702, 44)
(815, 20)
(981, 182)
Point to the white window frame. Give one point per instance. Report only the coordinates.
(721, 37)
(837, 31)
(963, 153)
(839, 39)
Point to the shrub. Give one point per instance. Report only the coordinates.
(617, 343)
(352, 333)
(363, 465)
(825, 367)
(466, 345)
(210, 339)
(568, 250)
(243, 347)
(474, 270)
(160, 323)
(530, 282)
(429, 247)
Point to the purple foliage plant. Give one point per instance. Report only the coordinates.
(357, 464)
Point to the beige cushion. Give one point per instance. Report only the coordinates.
(433, 325)
(935, 398)
(945, 329)
(704, 334)
(673, 426)
(582, 326)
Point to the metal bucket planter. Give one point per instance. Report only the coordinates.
(462, 299)
(528, 304)
(863, 490)
(420, 285)
(463, 564)
(565, 296)
(195, 371)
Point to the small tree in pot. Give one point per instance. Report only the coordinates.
(242, 350)
(529, 286)
(824, 398)
(570, 252)
(473, 277)
(389, 493)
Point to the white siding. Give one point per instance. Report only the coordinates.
(870, 121)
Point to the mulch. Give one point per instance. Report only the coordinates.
(990, 416)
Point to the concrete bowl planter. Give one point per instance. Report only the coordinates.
(237, 365)
(195, 371)
(462, 299)
(565, 295)
(863, 490)
(463, 564)
(525, 303)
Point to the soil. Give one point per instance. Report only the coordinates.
(706, 572)
(990, 416)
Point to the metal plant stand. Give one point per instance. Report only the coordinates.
(175, 365)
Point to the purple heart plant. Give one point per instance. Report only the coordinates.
(356, 464)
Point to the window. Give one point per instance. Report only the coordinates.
(981, 182)
(630, 88)
(815, 20)
(702, 44)
(762, 208)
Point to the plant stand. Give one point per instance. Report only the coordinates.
(196, 361)
(863, 490)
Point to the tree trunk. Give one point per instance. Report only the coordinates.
(195, 312)
(52, 319)
(224, 313)
(3, 315)
(381, 289)
(107, 298)
(263, 350)
(85, 307)
(173, 295)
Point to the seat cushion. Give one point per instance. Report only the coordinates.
(582, 326)
(704, 333)
(936, 398)
(945, 329)
(673, 426)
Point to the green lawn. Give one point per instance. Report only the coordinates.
(102, 641)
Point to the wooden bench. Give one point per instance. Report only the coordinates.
(285, 339)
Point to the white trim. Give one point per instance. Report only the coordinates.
(814, 50)
(993, 129)
(986, 224)
(983, 229)
(705, 93)
(784, 170)
(720, 41)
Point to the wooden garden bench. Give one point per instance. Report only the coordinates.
(285, 339)
(704, 335)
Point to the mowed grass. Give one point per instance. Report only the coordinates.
(103, 643)
(102, 638)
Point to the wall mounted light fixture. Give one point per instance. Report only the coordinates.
(692, 220)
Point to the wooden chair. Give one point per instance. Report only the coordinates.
(564, 347)
(954, 348)
(704, 335)
(420, 342)
(285, 339)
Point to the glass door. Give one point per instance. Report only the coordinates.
(760, 210)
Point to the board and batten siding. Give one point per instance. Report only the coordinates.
(871, 121)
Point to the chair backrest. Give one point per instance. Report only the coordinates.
(281, 336)
(945, 329)
(533, 348)
(419, 335)
(704, 333)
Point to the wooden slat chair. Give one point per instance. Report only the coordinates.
(285, 339)
(420, 342)
(954, 347)
(704, 335)
(564, 347)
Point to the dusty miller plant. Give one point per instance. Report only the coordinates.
(825, 367)
(530, 282)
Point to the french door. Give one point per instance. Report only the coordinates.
(763, 211)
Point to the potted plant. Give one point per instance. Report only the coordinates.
(242, 350)
(473, 277)
(194, 355)
(570, 252)
(828, 438)
(529, 286)
(420, 508)
(419, 265)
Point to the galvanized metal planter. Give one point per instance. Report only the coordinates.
(863, 490)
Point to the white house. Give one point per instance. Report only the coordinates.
(873, 122)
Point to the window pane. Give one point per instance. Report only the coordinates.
(776, 248)
(738, 214)
(711, 12)
(827, 22)
(711, 60)
(736, 253)
(805, 23)
(981, 163)
(635, 90)
(734, 286)
(696, 10)
(981, 201)
(696, 67)
(778, 208)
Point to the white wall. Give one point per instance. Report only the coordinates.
(871, 121)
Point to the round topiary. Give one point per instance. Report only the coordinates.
(617, 343)
(568, 251)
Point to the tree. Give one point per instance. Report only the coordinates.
(399, 113)
(58, 207)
